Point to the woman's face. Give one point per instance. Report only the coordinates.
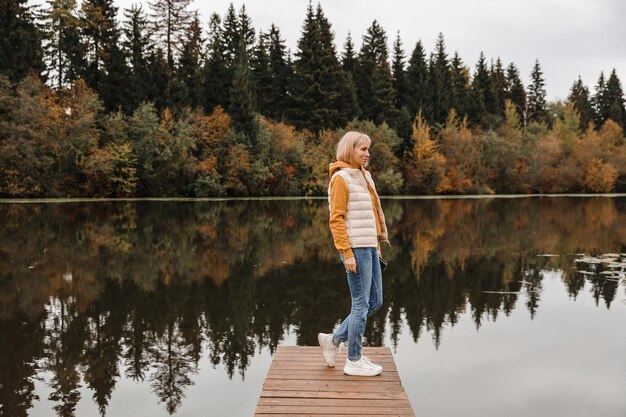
(362, 153)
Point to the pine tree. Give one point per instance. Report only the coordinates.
(189, 70)
(459, 85)
(440, 80)
(99, 27)
(417, 81)
(247, 33)
(374, 80)
(515, 89)
(64, 52)
(160, 80)
(106, 71)
(230, 35)
(536, 109)
(482, 95)
(600, 102)
(335, 78)
(399, 74)
(318, 82)
(113, 90)
(615, 99)
(498, 78)
(579, 98)
(402, 121)
(20, 41)
(349, 65)
(348, 57)
(136, 47)
(262, 75)
(216, 73)
(170, 20)
(281, 73)
(242, 105)
(237, 31)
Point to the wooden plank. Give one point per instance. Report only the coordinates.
(302, 366)
(299, 383)
(382, 386)
(314, 415)
(328, 402)
(384, 395)
(345, 411)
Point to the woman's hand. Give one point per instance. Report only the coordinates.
(350, 264)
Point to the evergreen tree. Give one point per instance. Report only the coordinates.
(20, 41)
(349, 65)
(615, 100)
(280, 72)
(318, 81)
(439, 75)
(170, 20)
(237, 31)
(106, 69)
(261, 72)
(189, 71)
(136, 46)
(348, 57)
(247, 34)
(216, 72)
(459, 85)
(99, 27)
(417, 81)
(374, 82)
(242, 106)
(160, 85)
(498, 78)
(482, 94)
(343, 94)
(113, 90)
(65, 54)
(515, 89)
(403, 122)
(600, 102)
(536, 109)
(579, 98)
(230, 35)
(399, 74)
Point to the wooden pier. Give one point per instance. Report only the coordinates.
(300, 384)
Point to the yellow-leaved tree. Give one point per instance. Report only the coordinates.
(460, 148)
(207, 133)
(425, 167)
(599, 176)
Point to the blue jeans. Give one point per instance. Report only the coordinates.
(366, 290)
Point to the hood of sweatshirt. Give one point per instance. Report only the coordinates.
(336, 166)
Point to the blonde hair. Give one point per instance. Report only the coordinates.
(348, 143)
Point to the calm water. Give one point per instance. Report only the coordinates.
(493, 307)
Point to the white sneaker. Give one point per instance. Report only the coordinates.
(372, 364)
(362, 367)
(329, 350)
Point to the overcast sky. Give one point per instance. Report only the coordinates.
(569, 37)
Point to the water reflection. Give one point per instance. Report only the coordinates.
(91, 293)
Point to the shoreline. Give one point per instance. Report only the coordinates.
(276, 198)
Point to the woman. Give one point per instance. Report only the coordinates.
(358, 225)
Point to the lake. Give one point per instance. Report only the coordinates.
(492, 306)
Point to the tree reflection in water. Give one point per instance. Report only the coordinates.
(88, 290)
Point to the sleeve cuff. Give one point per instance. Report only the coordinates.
(348, 254)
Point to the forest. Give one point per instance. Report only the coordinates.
(151, 101)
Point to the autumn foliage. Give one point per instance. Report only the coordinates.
(61, 143)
